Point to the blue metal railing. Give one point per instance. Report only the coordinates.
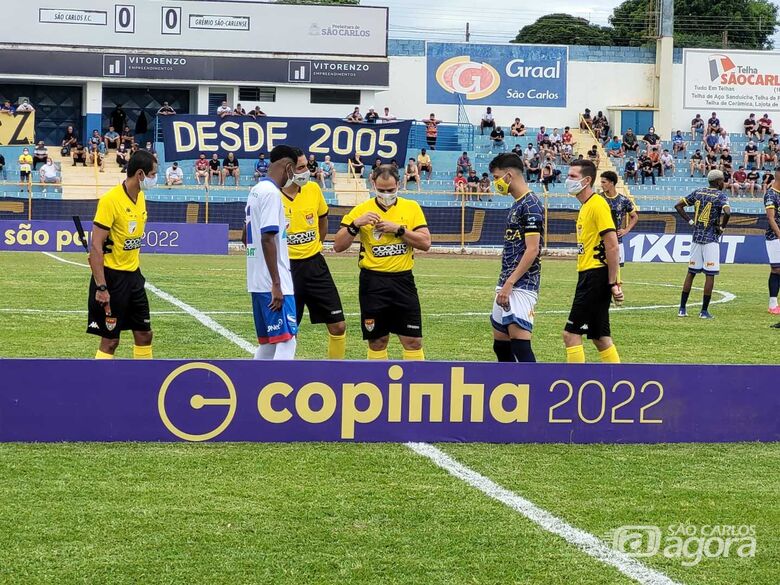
(465, 127)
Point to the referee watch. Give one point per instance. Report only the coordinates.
(101, 287)
(400, 232)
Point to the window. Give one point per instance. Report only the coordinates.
(257, 94)
(349, 97)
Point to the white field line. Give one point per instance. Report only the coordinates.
(586, 542)
(202, 318)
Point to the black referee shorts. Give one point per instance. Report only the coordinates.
(315, 289)
(590, 310)
(389, 304)
(129, 305)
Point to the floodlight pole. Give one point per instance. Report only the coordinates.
(664, 77)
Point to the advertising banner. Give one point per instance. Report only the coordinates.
(185, 137)
(715, 79)
(246, 26)
(17, 129)
(246, 400)
(160, 238)
(533, 76)
(677, 248)
(146, 65)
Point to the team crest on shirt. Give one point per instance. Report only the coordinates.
(377, 234)
(310, 218)
(132, 226)
(369, 324)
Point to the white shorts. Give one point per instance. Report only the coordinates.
(773, 251)
(705, 258)
(621, 253)
(521, 311)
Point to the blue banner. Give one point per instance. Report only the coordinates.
(734, 249)
(187, 136)
(497, 75)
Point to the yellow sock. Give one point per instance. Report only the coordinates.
(413, 354)
(377, 355)
(142, 352)
(337, 346)
(101, 355)
(610, 355)
(575, 355)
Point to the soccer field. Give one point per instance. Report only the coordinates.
(378, 513)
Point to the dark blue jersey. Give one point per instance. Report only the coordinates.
(708, 204)
(772, 202)
(620, 205)
(526, 216)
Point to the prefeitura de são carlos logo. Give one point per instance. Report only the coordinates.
(724, 71)
(464, 76)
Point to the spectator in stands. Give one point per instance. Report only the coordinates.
(710, 162)
(3, 172)
(751, 155)
(739, 183)
(464, 163)
(166, 110)
(711, 142)
(753, 182)
(651, 138)
(750, 126)
(355, 117)
(769, 157)
(769, 178)
(150, 149)
(122, 156)
(534, 169)
(518, 128)
(261, 167)
(678, 144)
(556, 140)
(95, 157)
(96, 140)
(128, 138)
(547, 176)
(230, 169)
(568, 137)
(586, 120)
(119, 120)
(357, 165)
(328, 172)
(257, 112)
(424, 163)
(487, 121)
(111, 138)
(315, 173)
(174, 175)
(697, 126)
(593, 155)
(202, 169)
(518, 151)
(473, 184)
(723, 140)
(567, 153)
(615, 147)
(713, 124)
(7, 108)
(387, 117)
(697, 163)
(25, 106)
(630, 142)
(215, 168)
(412, 173)
(377, 164)
(224, 110)
(48, 172)
(79, 154)
(25, 166)
(667, 164)
(540, 135)
(546, 147)
(529, 153)
(726, 161)
(460, 183)
(646, 168)
(40, 154)
(484, 186)
(431, 130)
(133, 149)
(629, 171)
(371, 116)
(239, 110)
(764, 127)
(69, 141)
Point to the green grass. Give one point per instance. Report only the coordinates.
(336, 513)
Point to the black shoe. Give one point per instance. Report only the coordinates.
(775, 326)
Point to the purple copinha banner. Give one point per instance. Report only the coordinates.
(236, 400)
(160, 238)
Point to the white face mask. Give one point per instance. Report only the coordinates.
(301, 179)
(289, 182)
(387, 199)
(148, 183)
(574, 186)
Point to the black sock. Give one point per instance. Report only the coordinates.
(503, 350)
(521, 349)
(774, 284)
(706, 303)
(684, 299)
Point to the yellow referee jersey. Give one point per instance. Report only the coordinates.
(593, 221)
(125, 222)
(303, 227)
(385, 252)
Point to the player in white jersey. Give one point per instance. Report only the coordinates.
(268, 276)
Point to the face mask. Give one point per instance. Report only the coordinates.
(573, 186)
(301, 179)
(387, 199)
(501, 186)
(289, 182)
(148, 183)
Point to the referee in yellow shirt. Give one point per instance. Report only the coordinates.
(598, 263)
(307, 226)
(391, 229)
(117, 298)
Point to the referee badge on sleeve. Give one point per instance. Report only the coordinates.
(368, 324)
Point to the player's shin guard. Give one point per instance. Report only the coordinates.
(521, 350)
(503, 350)
(101, 355)
(575, 354)
(142, 352)
(610, 355)
(337, 346)
(377, 355)
(413, 355)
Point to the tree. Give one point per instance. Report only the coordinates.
(743, 24)
(564, 29)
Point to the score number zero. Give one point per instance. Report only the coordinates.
(345, 140)
(615, 417)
